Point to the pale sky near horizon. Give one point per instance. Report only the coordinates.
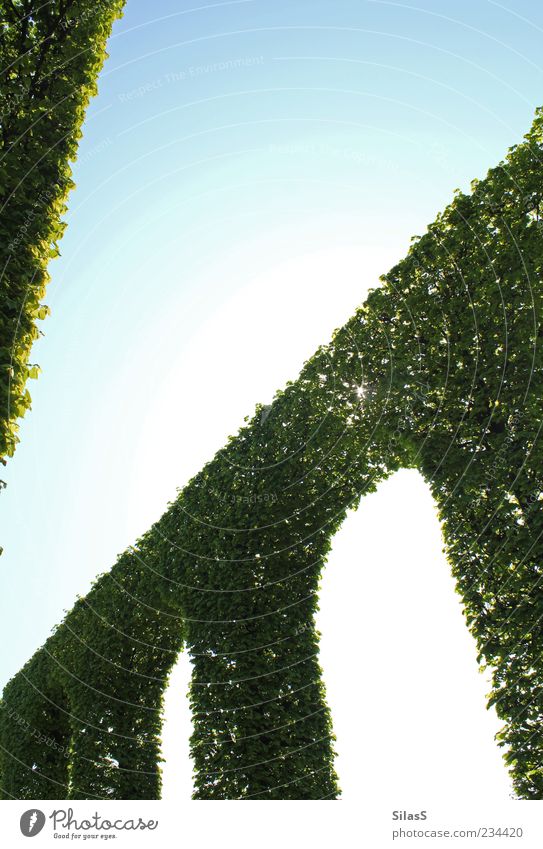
(247, 171)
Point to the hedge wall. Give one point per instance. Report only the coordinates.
(50, 56)
(441, 370)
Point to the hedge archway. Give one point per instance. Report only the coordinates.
(441, 370)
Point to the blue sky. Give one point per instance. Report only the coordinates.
(247, 171)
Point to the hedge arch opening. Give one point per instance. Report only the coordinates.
(177, 779)
(406, 694)
(440, 370)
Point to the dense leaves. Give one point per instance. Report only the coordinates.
(50, 56)
(440, 369)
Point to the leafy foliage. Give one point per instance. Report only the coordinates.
(50, 55)
(440, 369)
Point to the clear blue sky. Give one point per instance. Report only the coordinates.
(246, 172)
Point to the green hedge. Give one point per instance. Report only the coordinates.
(50, 55)
(439, 370)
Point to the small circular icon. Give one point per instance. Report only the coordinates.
(32, 822)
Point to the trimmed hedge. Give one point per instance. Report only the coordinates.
(50, 55)
(440, 370)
